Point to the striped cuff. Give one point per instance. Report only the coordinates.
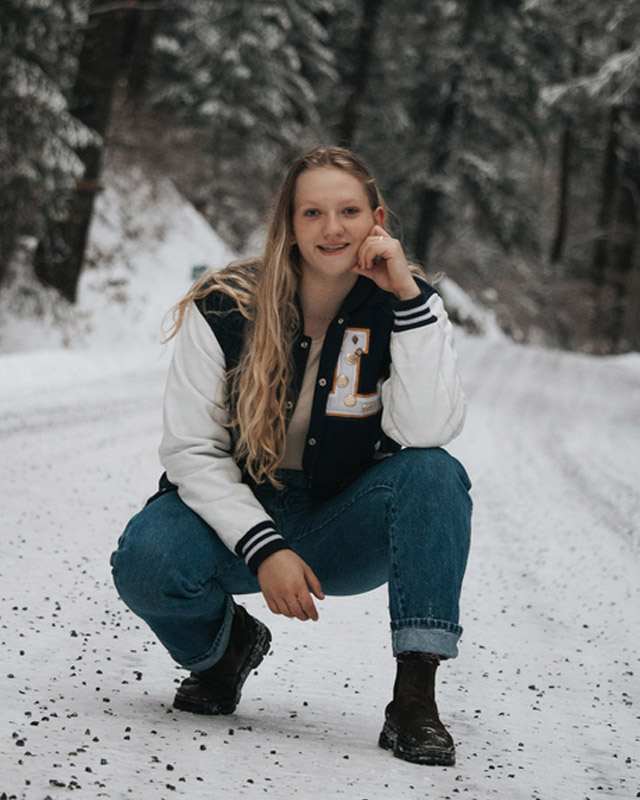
(414, 313)
(261, 541)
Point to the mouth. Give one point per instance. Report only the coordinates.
(332, 249)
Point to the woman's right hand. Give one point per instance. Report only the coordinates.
(287, 583)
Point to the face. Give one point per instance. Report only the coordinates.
(331, 218)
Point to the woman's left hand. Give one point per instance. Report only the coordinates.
(382, 259)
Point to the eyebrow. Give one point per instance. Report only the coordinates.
(348, 202)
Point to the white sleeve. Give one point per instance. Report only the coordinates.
(423, 402)
(196, 445)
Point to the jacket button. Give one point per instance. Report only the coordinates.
(322, 382)
(312, 441)
(342, 381)
(288, 405)
(351, 358)
(350, 400)
(341, 321)
(304, 344)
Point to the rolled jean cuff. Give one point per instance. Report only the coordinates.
(425, 636)
(216, 651)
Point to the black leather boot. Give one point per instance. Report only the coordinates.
(412, 729)
(217, 690)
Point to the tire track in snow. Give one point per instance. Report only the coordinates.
(555, 557)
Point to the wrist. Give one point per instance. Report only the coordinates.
(408, 292)
(258, 544)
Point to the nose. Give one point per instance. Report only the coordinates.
(333, 224)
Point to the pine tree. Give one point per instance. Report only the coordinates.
(604, 99)
(454, 90)
(38, 135)
(243, 76)
(60, 254)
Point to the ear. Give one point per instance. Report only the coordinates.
(379, 216)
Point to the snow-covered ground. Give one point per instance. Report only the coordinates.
(543, 701)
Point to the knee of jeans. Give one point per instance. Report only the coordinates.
(433, 466)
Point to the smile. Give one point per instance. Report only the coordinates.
(330, 249)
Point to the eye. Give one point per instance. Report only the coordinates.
(311, 212)
(351, 211)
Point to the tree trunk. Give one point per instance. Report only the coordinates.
(429, 197)
(566, 149)
(138, 48)
(566, 152)
(623, 247)
(360, 78)
(60, 254)
(601, 248)
(428, 205)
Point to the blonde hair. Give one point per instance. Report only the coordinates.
(264, 290)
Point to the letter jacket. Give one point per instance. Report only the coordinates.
(387, 379)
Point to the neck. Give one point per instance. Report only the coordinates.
(320, 299)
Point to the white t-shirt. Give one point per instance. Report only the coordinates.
(299, 424)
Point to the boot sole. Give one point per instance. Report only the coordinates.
(213, 707)
(428, 756)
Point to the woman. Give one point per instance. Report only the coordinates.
(307, 400)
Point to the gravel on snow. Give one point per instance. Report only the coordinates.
(542, 702)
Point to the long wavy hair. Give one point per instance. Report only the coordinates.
(264, 290)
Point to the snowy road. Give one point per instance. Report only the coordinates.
(543, 701)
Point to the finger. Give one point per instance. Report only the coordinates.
(379, 240)
(377, 230)
(360, 255)
(272, 605)
(374, 253)
(313, 583)
(306, 612)
(287, 609)
(296, 609)
(366, 253)
(307, 606)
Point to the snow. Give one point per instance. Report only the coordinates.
(543, 700)
(463, 311)
(144, 243)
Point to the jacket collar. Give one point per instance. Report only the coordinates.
(360, 292)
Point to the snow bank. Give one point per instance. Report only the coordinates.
(144, 242)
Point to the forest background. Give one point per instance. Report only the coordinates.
(505, 133)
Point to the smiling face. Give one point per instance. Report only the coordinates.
(332, 216)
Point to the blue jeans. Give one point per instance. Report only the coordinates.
(405, 522)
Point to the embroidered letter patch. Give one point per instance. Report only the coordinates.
(344, 400)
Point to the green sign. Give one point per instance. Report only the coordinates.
(197, 271)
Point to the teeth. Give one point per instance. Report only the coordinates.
(334, 247)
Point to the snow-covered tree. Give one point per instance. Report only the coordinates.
(602, 98)
(243, 75)
(101, 63)
(454, 90)
(38, 135)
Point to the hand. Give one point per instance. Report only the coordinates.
(285, 580)
(382, 259)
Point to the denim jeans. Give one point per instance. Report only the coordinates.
(405, 522)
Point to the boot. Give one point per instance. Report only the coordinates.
(412, 728)
(217, 690)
